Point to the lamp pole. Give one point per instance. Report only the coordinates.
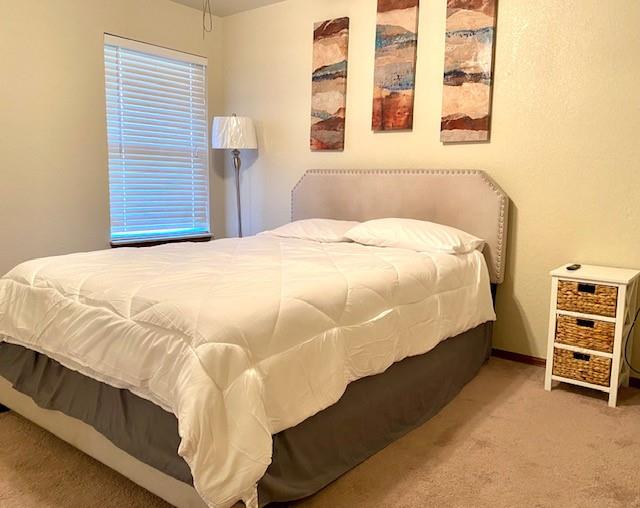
(236, 166)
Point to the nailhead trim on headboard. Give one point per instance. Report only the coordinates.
(499, 260)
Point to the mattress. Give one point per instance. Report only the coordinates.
(240, 338)
(372, 413)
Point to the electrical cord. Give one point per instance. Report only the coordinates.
(626, 344)
(207, 17)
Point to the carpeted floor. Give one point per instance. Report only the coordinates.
(503, 442)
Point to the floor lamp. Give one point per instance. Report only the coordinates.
(234, 133)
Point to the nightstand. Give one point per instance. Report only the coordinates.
(592, 311)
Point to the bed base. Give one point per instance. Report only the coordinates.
(372, 413)
(88, 440)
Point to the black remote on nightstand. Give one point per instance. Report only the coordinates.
(574, 267)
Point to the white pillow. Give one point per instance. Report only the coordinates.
(414, 234)
(319, 230)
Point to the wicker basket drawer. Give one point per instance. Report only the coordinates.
(585, 333)
(588, 298)
(588, 368)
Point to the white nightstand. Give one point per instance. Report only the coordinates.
(592, 311)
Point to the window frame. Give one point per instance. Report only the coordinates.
(183, 57)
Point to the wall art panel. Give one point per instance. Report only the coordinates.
(395, 64)
(329, 84)
(466, 101)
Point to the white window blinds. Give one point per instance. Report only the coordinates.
(158, 142)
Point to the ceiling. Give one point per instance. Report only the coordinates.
(228, 7)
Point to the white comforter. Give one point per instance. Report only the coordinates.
(240, 338)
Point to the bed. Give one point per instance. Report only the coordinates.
(346, 409)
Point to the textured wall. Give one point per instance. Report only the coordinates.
(54, 195)
(565, 147)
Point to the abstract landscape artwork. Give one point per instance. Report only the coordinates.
(466, 102)
(395, 64)
(329, 84)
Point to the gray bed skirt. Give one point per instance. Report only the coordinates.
(372, 413)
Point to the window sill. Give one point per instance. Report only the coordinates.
(152, 243)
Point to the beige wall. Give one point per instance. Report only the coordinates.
(564, 145)
(54, 195)
(565, 129)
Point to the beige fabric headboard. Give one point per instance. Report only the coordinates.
(465, 199)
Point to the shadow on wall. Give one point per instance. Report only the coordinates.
(218, 194)
(511, 323)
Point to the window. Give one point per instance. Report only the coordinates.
(158, 142)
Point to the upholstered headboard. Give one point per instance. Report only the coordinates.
(465, 199)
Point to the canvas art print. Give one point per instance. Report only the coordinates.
(329, 84)
(466, 98)
(395, 64)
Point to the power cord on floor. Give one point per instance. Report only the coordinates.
(626, 344)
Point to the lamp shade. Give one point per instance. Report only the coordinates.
(233, 132)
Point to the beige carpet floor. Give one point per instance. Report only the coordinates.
(503, 442)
